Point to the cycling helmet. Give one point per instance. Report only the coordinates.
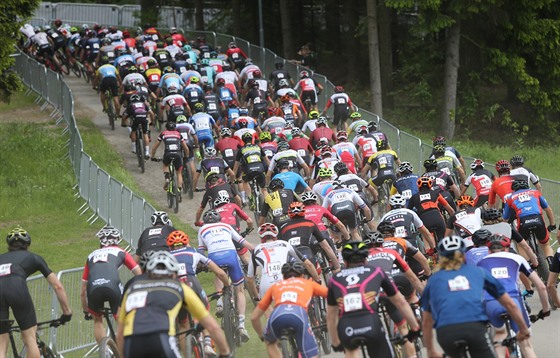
(205, 62)
(424, 182)
(491, 214)
(480, 237)
(279, 65)
(313, 114)
(439, 149)
(135, 98)
(194, 80)
(498, 241)
(339, 89)
(355, 251)
(439, 141)
(519, 184)
(283, 145)
(372, 126)
(152, 63)
(221, 200)
(267, 231)
(430, 164)
(449, 245)
(265, 136)
(247, 137)
(168, 69)
(199, 107)
(73, 29)
(517, 160)
(465, 200)
(46, 28)
(405, 167)
(257, 74)
(337, 184)
(397, 200)
(18, 235)
(304, 74)
(374, 238)
(325, 173)
(163, 263)
(159, 218)
(187, 48)
(477, 163)
(211, 176)
(296, 131)
(144, 258)
(503, 166)
(210, 152)
(225, 132)
(182, 119)
(340, 168)
(381, 144)
(355, 115)
(242, 122)
(362, 130)
(285, 98)
(326, 150)
(106, 41)
(109, 236)
(321, 143)
(283, 83)
(243, 111)
(309, 196)
(276, 184)
(36, 29)
(213, 54)
(283, 164)
(321, 120)
(232, 45)
(211, 216)
(177, 238)
(220, 82)
(291, 269)
(296, 209)
(133, 69)
(342, 135)
(58, 22)
(386, 227)
(170, 126)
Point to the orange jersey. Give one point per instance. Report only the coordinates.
(294, 291)
(501, 187)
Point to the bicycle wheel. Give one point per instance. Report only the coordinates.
(176, 193)
(140, 150)
(108, 348)
(288, 347)
(170, 196)
(194, 348)
(44, 351)
(76, 69)
(110, 109)
(542, 269)
(85, 74)
(64, 66)
(257, 199)
(187, 181)
(228, 322)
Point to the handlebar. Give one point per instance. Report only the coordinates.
(246, 232)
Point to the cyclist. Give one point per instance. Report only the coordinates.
(100, 280)
(236, 56)
(382, 164)
(479, 250)
(465, 221)
(274, 124)
(108, 79)
(517, 168)
(481, 179)
(251, 159)
(217, 239)
(139, 110)
(291, 180)
(227, 146)
(173, 105)
(311, 123)
(203, 124)
(212, 163)
(291, 297)
(356, 125)
(449, 151)
(189, 259)
(506, 267)
(215, 187)
(15, 266)
(443, 183)
(258, 101)
(343, 203)
(347, 152)
(405, 184)
(365, 143)
(150, 308)
(448, 164)
(301, 144)
(316, 213)
(354, 182)
(173, 142)
(292, 156)
(352, 315)
(501, 187)
(213, 104)
(153, 237)
(553, 279)
(458, 285)
(328, 159)
(309, 89)
(322, 132)
(426, 204)
(528, 205)
(280, 74)
(407, 223)
(378, 135)
(325, 179)
(276, 203)
(269, 146)
(342, 106)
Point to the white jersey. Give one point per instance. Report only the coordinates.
(531, 177)
(27, 30)
(41, 39)
(239, 133)
(218, 237)
(406, 221)
(228, 76)
(173, 50)
(309, 126)
(284, 91)
(343, 196)
(173, 100)
(134, 79)
(247, 72)
(289, 153)
(270, 256)
(114, 36)
(187, 131)
(321, 188)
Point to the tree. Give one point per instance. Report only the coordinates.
(374, 69)
(12, 16)
(149, 13)
(287, 38)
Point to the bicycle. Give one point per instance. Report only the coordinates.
(318, 323)
(255, 198)
(362, 343)
(510, 341)
(187, 180)
(542, 269)
(45, 350)
(384, 191)
(230, 317)
(288, 344)
(63, 62)
(173, 192)
(194, 343)
(391, 330)
(107, 346)
(139, 143)
(110, 110)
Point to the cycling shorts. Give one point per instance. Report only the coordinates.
(140, 121)
(257, 175)
(292, 317)
(307, 253)
(14, 294)
(494, 309)
(97, 297)
(404, 285)
(534, 223)
(312, 95)
(480, 200)
(158, 344)
(433, 221)
(91, 57)
(229, 259)
(174, 158)
(379, 179)
(474, 333)
(45, 49)
(353, 328)
(109, 83)
(340, 115)
(346, 213)
(392, 311)
(206, 141)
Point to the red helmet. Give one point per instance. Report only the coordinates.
(243, 122)
(296, 209)
(220, 82)
(339, 89)
(327, 149)
(267, 231)
(503, 166)
(498, 240)
(257, 74)
(57, 22)
(177, 238)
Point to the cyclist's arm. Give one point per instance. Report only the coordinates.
(441, 200)
(83, 297)
(154, 149)
(398, 300)
(330, 253)
(427, 331)
(60, 293)
(423, 262)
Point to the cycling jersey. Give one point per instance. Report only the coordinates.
(505, 229)
(107, 71)
(346, 152)
(215, 165)
(299, 231)
(101, 269)
(500, 187)
(291, 156)
(302, 146)
(322, 133)
(528, 173)
(295, 291)
(228, 147)
(231, 213)
(189, 258)
(203, 124)
(389, 260)
(481, 179)
(213, 105)
(342, 104)
(425, 201)
(475, 254)
(384, 161)
(465, 222)
(277, 75)
(217, 237)
(400, 245)
(250, 157)
(322, 187)
(354, 182)
(220, 188)
(154, 238)
(526, 202)
(342, 203)
(193, 94)
(291, 180)
(269, 148)
(316, 213)
(406, 222)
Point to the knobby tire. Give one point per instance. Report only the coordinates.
(108, 348)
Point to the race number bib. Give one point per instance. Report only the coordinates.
(194, 94)
(486, 183)
(212, 106)
(341, 101)
(354, 187)
(182, 270)
(234, 55)
(407, 194)
(253, 158)
(289, 296)
(446, 171)
(523, 197)
(202, 125)
(136, 300)
(204, 79)
(100, 258)
(400, 231)
(295, 241)
(215, 170)
(95, 46)
(155, 78)
(110, 54)
(173, 147)
(382, 161)
(268, 153)
(424, 197)
(459, 283)
(223, 193)
(500, 272)
(228, 152)
(274, 268)
(257, 100)
(5, 269)
(353, 302)
(301, 152)
(277, 212)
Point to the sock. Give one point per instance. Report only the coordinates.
(241, 321)
(129, 129)
(207, 341)
(243, 196)
(147, 148)
(134, 147)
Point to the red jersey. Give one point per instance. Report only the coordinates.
(235, 53)
(269, 148)
(301, 145)
(316, 213)
(368, 145)
(130, 42)
(178, 40)
(500, 187)
(231, 213)
(320, 133)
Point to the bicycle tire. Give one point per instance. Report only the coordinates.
(170, 197)
(257, 199)
(108, 348)
(44, 350)
(187, 181)
(288, 347)
(140, 151)
(76, 69)
(176, 193)
(110, 109)
(228, 322)
(85, 74)
(194, 349)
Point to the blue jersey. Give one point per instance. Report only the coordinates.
(455, 296)
(188, 258)
(126, 58)
(107, 71)
(526, 202)
(291, 180)
(406, 186)
(169, 79)
(225, 94)
(202, 123)
(476, 254)
(505, 267)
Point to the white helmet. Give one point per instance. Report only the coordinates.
(162, 263)
(397, 200)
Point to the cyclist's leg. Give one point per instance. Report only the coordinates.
(178, 163)
(167, 159)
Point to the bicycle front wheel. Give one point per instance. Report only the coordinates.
(176, 193)
(194, 348)
(108, 348)
(140, 150)
(110, 109)
(228, 322)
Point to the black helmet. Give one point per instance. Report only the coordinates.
(386, 227)
(382, 144)
(430, 163)
(491, 214)
(519, 184)
(340, 168)
(449, 245)
(18, 235)
(170, 126)
(355, 251)
(283, 164)
(374, 238)
(279, 64)
(291, 269)
(480, 237)
(211, 216)
(517, 160)
(276, 184)
(247, 137)
(372, 126)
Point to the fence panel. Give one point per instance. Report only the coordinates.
(93, 187)
(126, 214)
(77, 14)
(84, 178)
(54, 89)
(104, 194)
(171, 16)
(115, 207)
(138, 218)
(130, 15)
(408, 150)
